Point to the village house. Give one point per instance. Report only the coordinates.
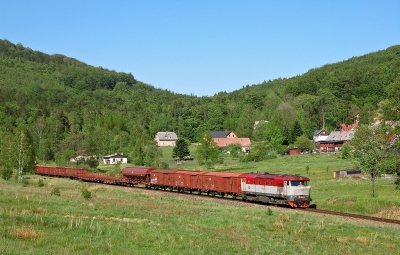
(166, 139)
(115, 158)
(335, 141)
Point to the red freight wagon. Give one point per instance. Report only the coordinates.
(162, 179)
(222, 183)
(187, 180)
(73, 172)
(62, 171)
(40, 170)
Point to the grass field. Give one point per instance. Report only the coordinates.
(118, 220)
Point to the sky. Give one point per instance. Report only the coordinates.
(203, 47)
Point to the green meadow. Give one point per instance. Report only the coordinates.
(121, 220)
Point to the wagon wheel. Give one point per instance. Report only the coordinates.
(222, 194)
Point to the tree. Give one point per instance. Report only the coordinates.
(181, 150)
(234, 149)
(67, 155)
(304, 144)
(207, 152)
(273, 134)
(7, 155)
(371, 145)
(25, 153)
(295, 131)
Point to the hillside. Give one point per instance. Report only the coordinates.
(68, 105)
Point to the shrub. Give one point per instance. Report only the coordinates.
(164, 165)
(55, 191)
(346, 151)
(25, 182)
(92, 162)
(86, 194)
(40, 183)
(397, 182)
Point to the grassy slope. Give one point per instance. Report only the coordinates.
(120, 221)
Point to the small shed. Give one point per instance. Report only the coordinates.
(294, 151)
(347, 173)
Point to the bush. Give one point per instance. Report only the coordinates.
(25, 182)
(346, 151)
(55, 192)
(40, 183)
(92, 162)
(164, 165)
(86, 194)
(397, 182)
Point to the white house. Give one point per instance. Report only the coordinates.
(115, 158)
(320, 135)
(166, 138)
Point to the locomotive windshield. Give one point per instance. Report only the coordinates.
(298, 183)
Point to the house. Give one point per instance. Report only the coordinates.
(115, 158)
(166, 139)
(225, 142)
(335, 141)
(223, 134)
(320, 135)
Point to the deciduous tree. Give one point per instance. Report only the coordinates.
(207, 152)
(371, 149)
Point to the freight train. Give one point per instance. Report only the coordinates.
(292, 190)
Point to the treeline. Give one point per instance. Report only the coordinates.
(67, 105)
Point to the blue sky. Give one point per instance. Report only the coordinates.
(203, 47)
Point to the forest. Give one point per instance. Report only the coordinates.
(54, 106)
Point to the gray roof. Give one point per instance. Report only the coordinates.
(167, 136)
(316, 132)
(220, 134)
(116, 155)
(337, 136)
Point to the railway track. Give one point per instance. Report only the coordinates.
(353, 216)
(240, 202)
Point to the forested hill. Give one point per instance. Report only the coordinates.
(69, 105)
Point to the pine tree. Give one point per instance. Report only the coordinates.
(295, 131)
(181, 150)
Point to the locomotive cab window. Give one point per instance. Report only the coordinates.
(298, 183)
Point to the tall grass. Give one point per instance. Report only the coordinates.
(119, 220)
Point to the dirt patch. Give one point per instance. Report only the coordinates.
(390, 213)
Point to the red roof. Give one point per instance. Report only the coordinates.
(224, 142)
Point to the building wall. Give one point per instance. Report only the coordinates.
(165, 143)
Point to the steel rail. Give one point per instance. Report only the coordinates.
(354, 216)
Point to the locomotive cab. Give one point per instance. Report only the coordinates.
(298, 192)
